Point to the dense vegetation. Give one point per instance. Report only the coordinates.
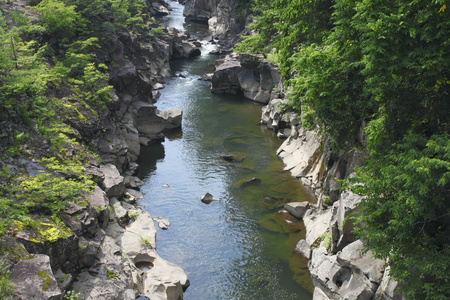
(49, 75)
(388, 63)
(51, 79)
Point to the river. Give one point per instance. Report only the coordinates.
(240, 247)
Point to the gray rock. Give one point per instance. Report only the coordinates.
(98, 199)
(97, 287)
(163, 223)
(132, 182)
(303, 248)
(34, 279)
(247, 73)
(131, 196)
(297, 209)
(172, 118)
(131, 136)
(387, 290)
(365, 264)
(113, 183)
(158, 86)
(63, 280)
(151, 122)
(320, 295)
(348, 275)
(208, 198)
(119, 213)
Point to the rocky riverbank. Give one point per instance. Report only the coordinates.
(105, 247)
(339, 267)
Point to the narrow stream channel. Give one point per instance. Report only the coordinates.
(239, 247)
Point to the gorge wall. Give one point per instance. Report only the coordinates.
(225, 20)
(338, 266)
(105, 247)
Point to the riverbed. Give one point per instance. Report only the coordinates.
(240, 247)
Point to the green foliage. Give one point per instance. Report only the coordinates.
(60, 20)
(386, 62)
(328, 91)
(406, 212)
(6, 285)
(285, 24)
(144, 240)
(156, 32)
(110, 274)
(46, 279)
(71, 295)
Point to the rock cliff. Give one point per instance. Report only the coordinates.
(104, 247)
(339, 267)
(226, 18)
(249, 75)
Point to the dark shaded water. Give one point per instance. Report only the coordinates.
(239, 247)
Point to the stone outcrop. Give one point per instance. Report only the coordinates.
(347, 275)
(338, 266)
(225, 19)
(248, 75)
(103, 246)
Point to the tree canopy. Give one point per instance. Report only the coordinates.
(386, 62)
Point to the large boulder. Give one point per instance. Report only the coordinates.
(152, 122)
(304, 157)
(248, 74)
(199, 10)
(55, 240)
(348, 275)
(113, 184)
(34, 279)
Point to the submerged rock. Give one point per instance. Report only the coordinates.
(248, 182)
(234, 156)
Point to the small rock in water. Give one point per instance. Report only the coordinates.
(163, 223)
(158, 86)
(208, 198)
(165, 185)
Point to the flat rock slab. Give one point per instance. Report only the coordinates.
(297, 209)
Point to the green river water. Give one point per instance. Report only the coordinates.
(240, 247)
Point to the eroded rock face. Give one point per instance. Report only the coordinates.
(249, 75)
(151, 121)
(348, 275)
(224, 20)
(199, 10)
